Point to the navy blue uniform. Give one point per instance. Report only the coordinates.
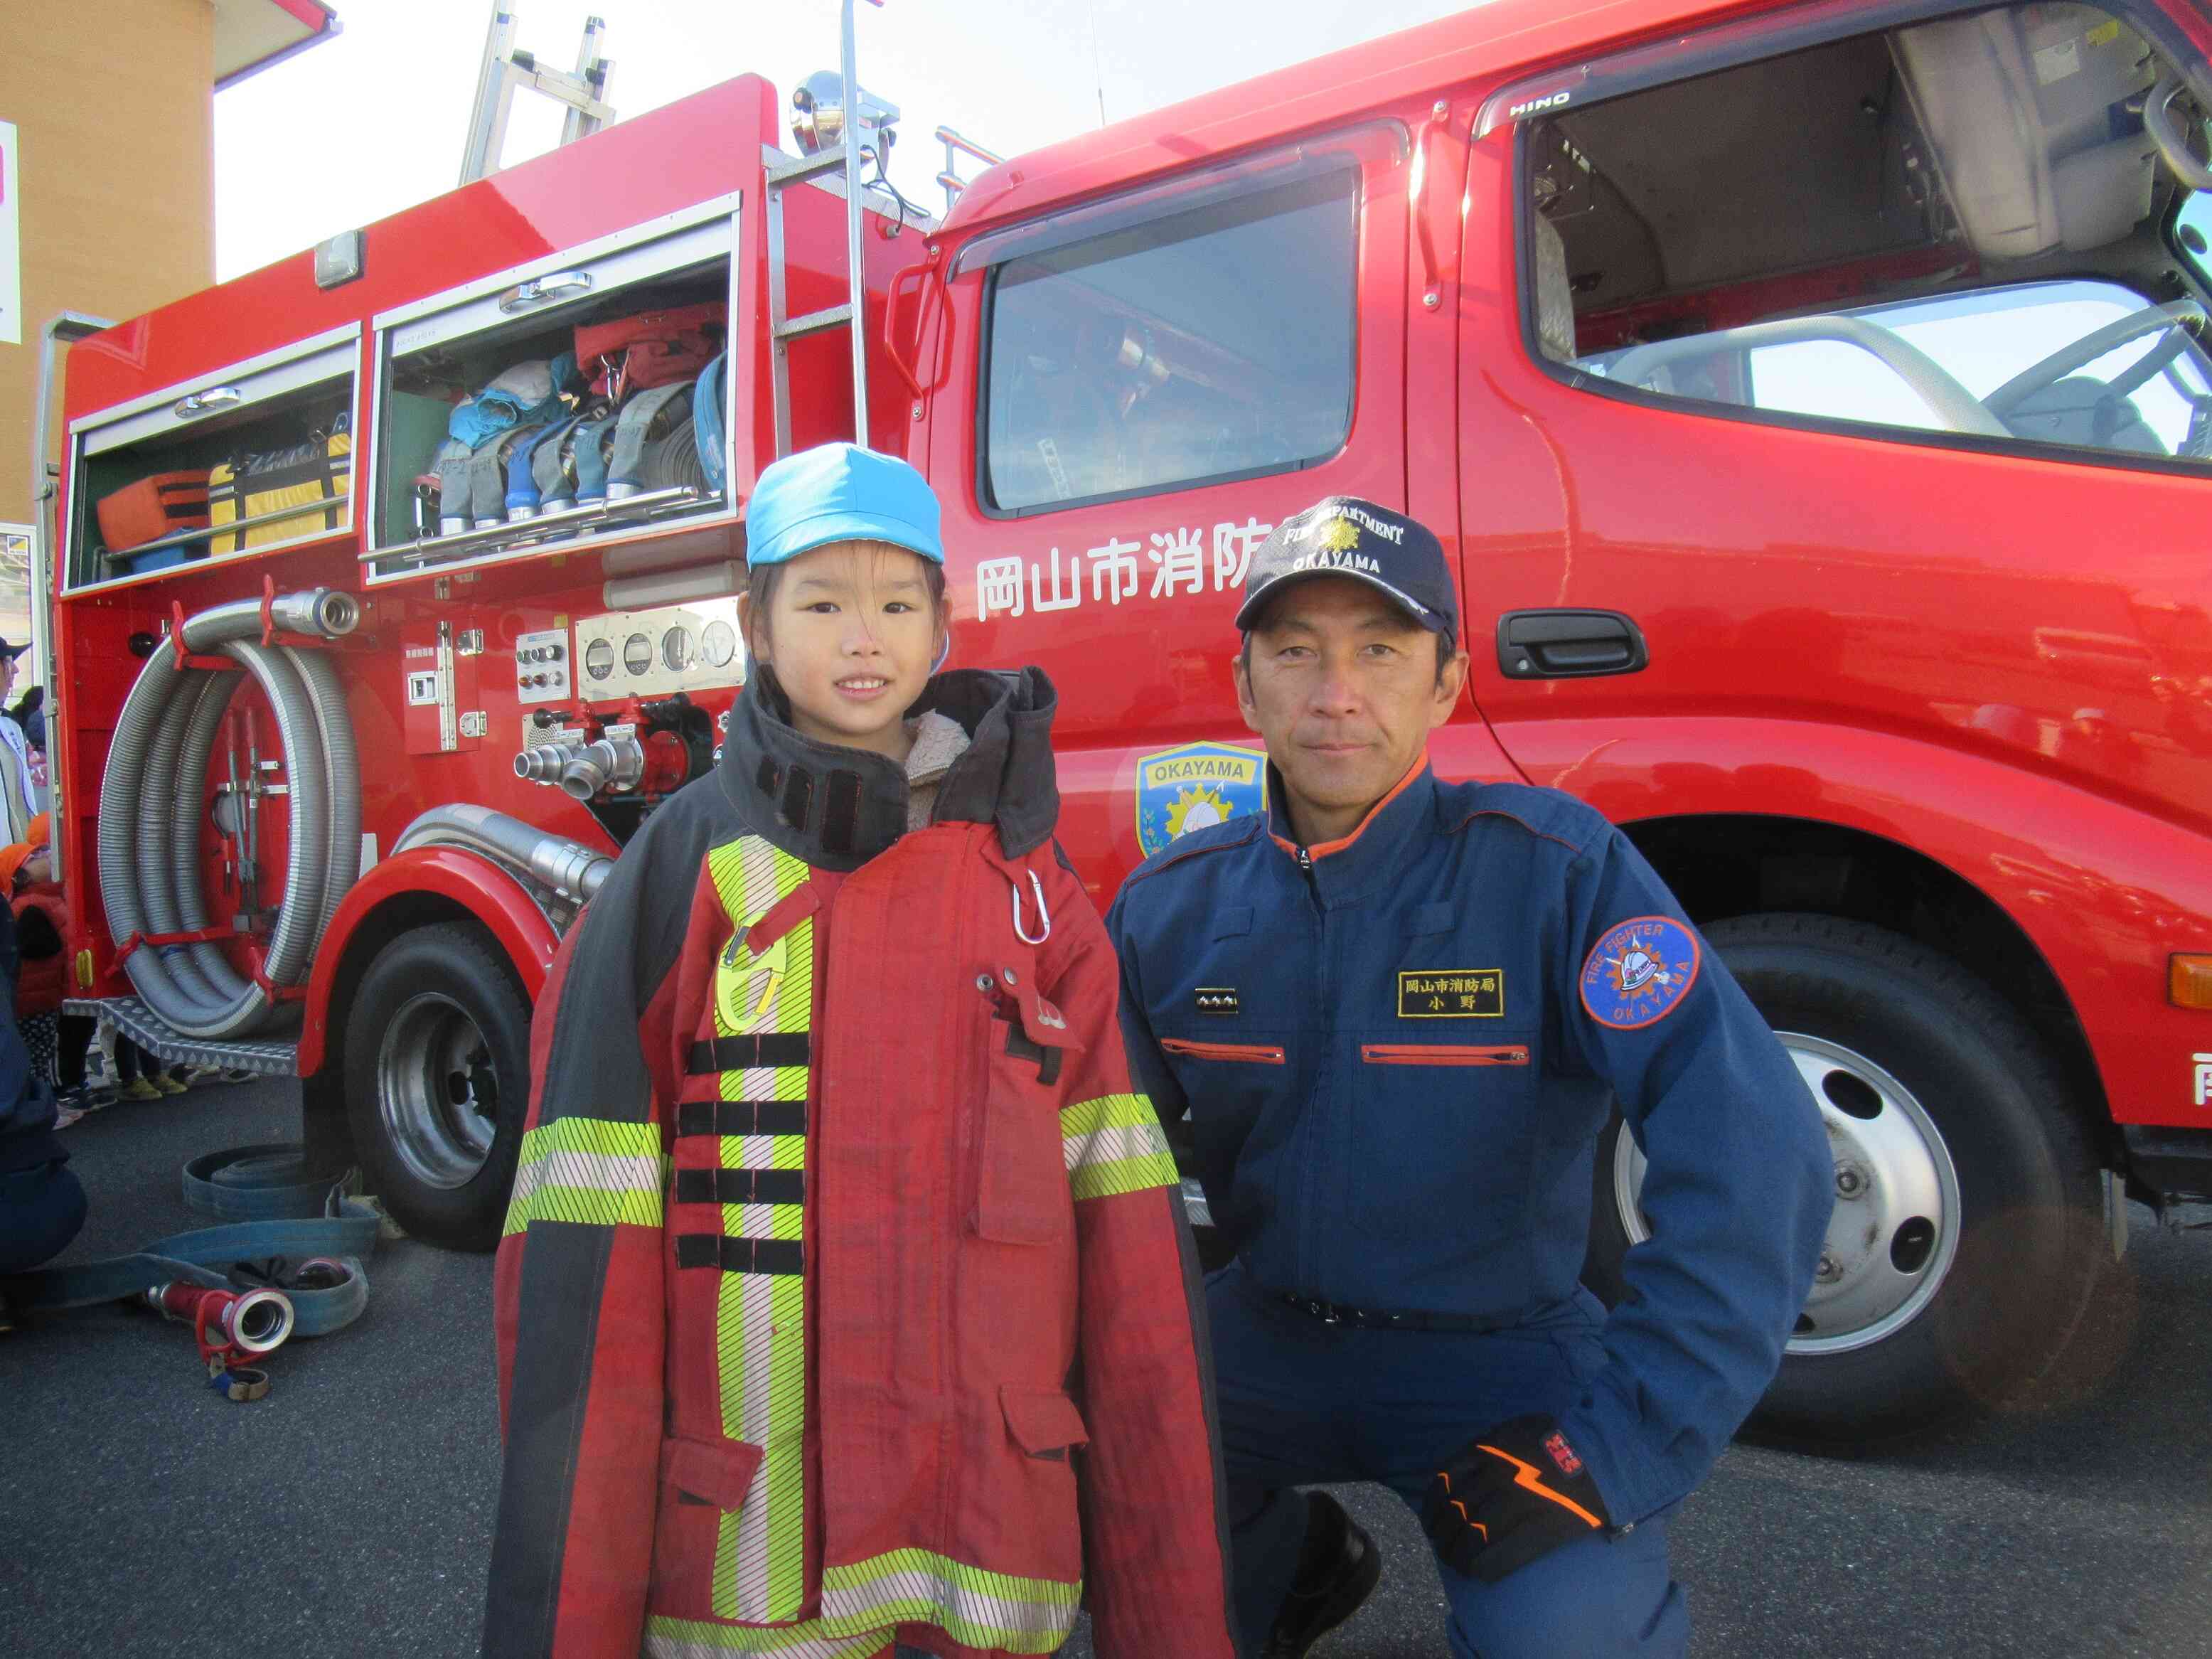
(1398, 1052)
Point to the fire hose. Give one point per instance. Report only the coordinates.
(286, 1263)
(152, 802)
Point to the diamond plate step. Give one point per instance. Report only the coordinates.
(270, 1056)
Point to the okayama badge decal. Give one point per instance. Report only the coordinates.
(1640, 972)
(1179, 790)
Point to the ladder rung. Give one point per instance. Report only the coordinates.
(815, 321)
(790, 173)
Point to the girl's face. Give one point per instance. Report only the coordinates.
(851, 633)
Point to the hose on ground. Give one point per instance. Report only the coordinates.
(153, 801)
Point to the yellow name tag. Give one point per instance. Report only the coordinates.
(1452, 994)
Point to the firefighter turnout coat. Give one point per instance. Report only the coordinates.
(1399, 1051)
(843, 1267)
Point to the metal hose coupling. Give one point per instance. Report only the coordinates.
(226, 1322)
(543, 764)
(610, 763)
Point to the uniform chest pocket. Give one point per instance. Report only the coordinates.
(1454, 1121)
(1021, 1186)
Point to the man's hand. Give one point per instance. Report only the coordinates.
(1519, 1491)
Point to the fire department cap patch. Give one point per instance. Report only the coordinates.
(1639, 972)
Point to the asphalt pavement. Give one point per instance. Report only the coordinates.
(350, 1512)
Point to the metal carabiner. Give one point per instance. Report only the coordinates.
(1045, 916)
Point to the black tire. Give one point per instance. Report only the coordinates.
(2029, 1237)
(437, 1082)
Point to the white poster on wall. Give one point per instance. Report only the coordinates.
(11, 246)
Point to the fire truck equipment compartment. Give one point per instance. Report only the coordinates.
(244, 419)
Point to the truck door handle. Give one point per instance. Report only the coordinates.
(1568, 644)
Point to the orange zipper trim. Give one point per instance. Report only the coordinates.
(1258, 1053)
(1442, 1054)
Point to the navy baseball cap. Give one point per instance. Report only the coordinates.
(12, 652)
(1344, 536)
(840, 493)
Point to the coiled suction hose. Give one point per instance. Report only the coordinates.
(152, 800)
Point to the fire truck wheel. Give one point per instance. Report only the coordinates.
(1966, 1235)
(437, 1069)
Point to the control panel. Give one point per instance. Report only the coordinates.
(542, 666)
(628, 654)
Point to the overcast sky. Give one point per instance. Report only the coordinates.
(374, 120)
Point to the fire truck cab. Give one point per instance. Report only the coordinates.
(1813, 395)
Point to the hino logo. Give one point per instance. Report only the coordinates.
(1537, 105)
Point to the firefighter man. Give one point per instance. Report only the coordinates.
(1398, 1011)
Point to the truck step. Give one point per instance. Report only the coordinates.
(270, 1056)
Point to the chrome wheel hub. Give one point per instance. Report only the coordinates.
(1894, 1230)
(437, 1090)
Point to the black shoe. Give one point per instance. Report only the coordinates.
(1340, 1570)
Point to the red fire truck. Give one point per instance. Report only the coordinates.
(1813, 395)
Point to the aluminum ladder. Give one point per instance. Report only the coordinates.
(506, 67)
(783, 329)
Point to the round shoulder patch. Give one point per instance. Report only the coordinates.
(1640, 972)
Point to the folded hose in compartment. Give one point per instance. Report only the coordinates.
(153, 802)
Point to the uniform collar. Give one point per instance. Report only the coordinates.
(1379, 840)
(837, 808)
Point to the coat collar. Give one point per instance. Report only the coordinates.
(837, 808)
(1382, 843)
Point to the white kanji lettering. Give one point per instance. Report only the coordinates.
(999, 588)
(1181, 558)
(1057, 602)
(1232, 551)
(1113, 570)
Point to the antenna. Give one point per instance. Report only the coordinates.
(1098, 71)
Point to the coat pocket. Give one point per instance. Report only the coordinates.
(1444, 1054)
(1254, 1054)
(1021, 1188)
(702, 1481)
(1044, 1422)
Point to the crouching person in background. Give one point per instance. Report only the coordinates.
(41, 1204)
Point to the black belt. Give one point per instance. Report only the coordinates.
(1376, 1319)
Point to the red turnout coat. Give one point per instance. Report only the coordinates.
(845, 1295)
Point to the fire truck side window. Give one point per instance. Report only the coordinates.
(1212, 343)
(1970, 229)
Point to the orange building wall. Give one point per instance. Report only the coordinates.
(112, 102)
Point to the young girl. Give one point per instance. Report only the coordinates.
(842, 1263)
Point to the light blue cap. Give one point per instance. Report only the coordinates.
(840, 493)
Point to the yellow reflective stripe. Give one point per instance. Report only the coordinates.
(689, 1638)
(590, 1171)
(760, 1552)
(981, 1608)
(862, 1604)
(1114, 1145)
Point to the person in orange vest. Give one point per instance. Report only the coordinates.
(845, 1302)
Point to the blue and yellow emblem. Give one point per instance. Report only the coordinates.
(1639, 972)
(1179, 790)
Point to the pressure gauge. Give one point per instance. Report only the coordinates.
(677, 649)
(719, 644)
(598, 660)
(637, 653)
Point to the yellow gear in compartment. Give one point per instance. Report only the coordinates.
(317, 472)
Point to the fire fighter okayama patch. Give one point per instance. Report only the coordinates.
(1639, 972)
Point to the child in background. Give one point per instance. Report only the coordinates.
(844, 1269)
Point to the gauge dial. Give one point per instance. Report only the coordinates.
(719, 644)
(598, 660)
(637, 653)
(677, 649)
